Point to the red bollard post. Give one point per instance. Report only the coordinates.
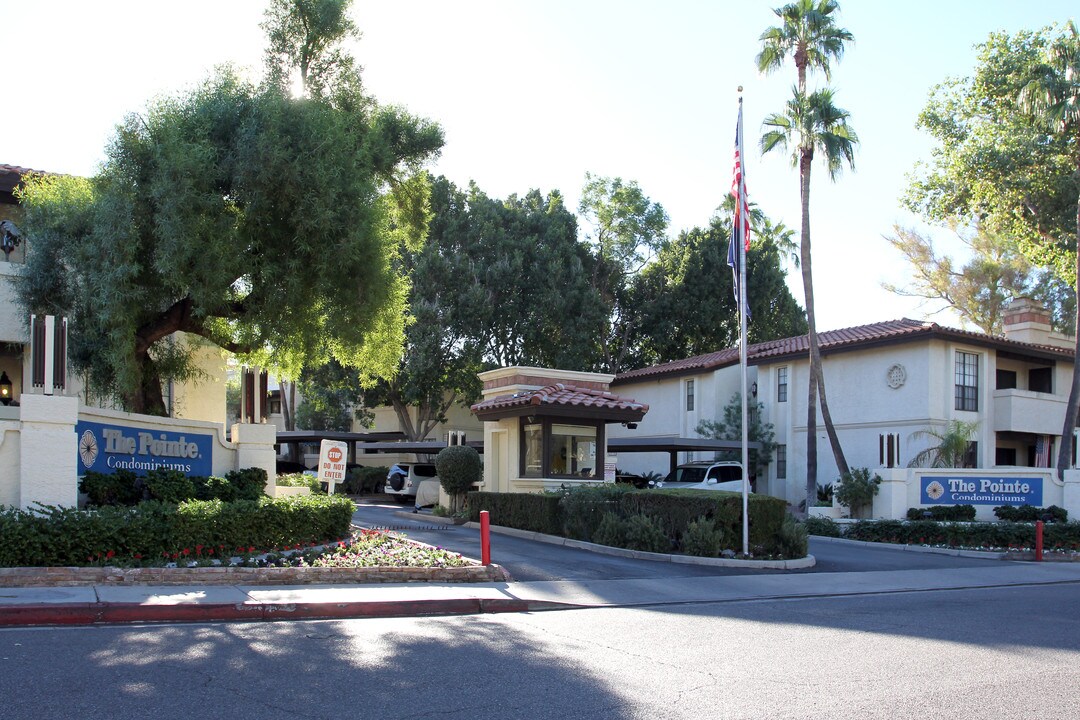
(485, 537)
(1038, 540)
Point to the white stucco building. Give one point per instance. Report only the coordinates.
(885, 382)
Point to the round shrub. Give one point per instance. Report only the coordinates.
(703, 538)
(644, 533)
(611, 531)
(458, 468)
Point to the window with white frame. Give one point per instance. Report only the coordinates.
(781, 462)
(689, 396)
(781, 384)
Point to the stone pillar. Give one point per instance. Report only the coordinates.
(48, 451)
(255, 448)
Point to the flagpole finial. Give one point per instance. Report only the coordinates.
(740, 88)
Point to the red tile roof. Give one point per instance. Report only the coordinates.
(10, 175)
(888, 332)
(564, 397)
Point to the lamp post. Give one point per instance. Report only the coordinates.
(5, 388)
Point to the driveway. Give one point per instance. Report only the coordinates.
(530, 560)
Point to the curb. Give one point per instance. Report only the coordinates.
(129, 613)
(955, 552)
(797, 564)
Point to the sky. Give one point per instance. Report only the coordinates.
(537, 94)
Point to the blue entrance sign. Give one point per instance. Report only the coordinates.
(980, 490)
(108, 448)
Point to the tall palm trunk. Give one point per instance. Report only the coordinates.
(808, 297)
(1064, 459)
(816, 385)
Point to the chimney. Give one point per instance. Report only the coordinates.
(1029, 322)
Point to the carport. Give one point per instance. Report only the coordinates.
(674, 445)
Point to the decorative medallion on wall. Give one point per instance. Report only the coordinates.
(896, 376)
(88, 448)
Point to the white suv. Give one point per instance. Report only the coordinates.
(404, 479)
(705, 476)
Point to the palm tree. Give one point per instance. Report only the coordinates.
(812, 124)
(808, 34)
(1052, 99)
(952, 445)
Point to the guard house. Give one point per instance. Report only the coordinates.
(544, 428)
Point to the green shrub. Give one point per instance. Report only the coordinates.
(118, 488)
(857, 489)
(535, 512)
(171, 486)
(153, 532)
(1029, 513)
(945, 513)
(703, 539)
(824, 494)
(583, 508)
(578, 512)
(311, 482)
(793, 540)
(646, 534)
(822, 526)
(249, 483)
(458, 468)
(611, 531)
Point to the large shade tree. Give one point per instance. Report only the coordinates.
(1008, 155)
(809, 35)
(1051, 98)
(239, 215)
(684, 301)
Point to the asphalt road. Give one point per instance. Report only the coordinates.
(997, 653)
(528, 560)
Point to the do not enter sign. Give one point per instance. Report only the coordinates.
(332, 459)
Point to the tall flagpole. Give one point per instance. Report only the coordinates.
(741, 234)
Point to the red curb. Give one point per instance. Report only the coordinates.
(49, 614)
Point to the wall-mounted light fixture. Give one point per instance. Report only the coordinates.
(753, 389)
(630, 425)
(5, 388)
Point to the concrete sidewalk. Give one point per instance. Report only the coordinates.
(133, 604)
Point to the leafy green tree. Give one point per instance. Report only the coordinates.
(1008, 154)
(813, 124)
(332, 398)
(264, 224)
(624, 230)
(684, 301)
(729, 427)
(809, 35)
(981, 289)
(494, 285)
(951, 448)
(1051, 99)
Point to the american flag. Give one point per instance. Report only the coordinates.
(1042, 451)
(740, 225)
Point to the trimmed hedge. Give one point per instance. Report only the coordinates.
(613, 511)
(979, 534)
(123, 487)
(943, 513)
(1030, 513)
(155, 532)
(524, 511)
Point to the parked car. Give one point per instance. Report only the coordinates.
(705, 475)
(404, 480)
